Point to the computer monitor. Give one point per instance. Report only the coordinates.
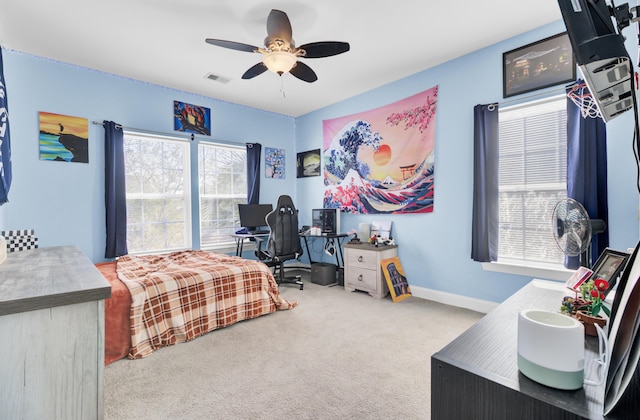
(253, 216)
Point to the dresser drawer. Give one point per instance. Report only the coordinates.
(362, 258)
(362, 279)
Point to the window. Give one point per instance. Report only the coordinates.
(158, 193)
(222, 178)
(532, 178)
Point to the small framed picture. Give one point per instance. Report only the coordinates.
(308, 163)
(191, 118)
(274, 163)
(538, 65)
(396, 279)
(581, 275)
(609, 266)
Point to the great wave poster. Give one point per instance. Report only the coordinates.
(381, 161)
(64, 138)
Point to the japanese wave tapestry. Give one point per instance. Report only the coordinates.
(381, 161)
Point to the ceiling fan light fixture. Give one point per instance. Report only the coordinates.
(279, 61)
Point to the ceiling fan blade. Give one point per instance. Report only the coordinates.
(324, 49)
(278, 26)
(255, 71)
(231, 45)
(303, 72)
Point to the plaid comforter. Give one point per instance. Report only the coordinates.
(179, 296)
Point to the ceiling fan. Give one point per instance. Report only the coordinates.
(280, 54)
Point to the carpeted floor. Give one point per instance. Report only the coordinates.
(337, 355)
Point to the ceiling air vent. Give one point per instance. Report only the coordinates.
(217, 78)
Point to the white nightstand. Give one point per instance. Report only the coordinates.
(362, 269)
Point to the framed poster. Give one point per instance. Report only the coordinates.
(538, 65)
(396, 279)
(63, 138)
(274, 163)
(191, 118)
(308, 163)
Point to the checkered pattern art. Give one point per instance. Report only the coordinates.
(20, 240)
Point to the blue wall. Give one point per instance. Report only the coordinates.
(64, 201)
(435, 248)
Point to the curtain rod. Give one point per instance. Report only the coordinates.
(138, 130)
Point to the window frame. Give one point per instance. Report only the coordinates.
(546, 270)
(187, 187)
(242, 197)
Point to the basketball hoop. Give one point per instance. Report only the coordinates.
(580, 95)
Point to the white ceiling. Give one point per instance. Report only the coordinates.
(162, 41)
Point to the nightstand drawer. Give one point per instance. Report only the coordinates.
(362, 258)
(362, 279)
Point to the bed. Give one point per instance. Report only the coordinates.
(160, 300)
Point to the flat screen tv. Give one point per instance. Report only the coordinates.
(253, 216)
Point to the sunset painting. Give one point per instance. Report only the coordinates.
(64, 138)
(382, 161)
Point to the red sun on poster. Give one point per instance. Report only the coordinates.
(382, 156)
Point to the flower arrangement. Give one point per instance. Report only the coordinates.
(593, 297)
(590, 301)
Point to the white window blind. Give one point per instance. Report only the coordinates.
(158, 193)
(532, 178)
(222, 173)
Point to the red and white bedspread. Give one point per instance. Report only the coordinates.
(179, 296)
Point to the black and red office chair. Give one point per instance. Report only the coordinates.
(283, 243)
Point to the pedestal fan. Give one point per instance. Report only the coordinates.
(573, 229)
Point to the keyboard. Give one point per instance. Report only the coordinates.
(259, 232)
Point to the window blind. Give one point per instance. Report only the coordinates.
(532, 178)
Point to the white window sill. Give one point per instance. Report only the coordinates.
(229, 248)
(541, 271)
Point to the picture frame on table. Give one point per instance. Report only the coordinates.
(576, 280)
(608, 266)
(538, 65)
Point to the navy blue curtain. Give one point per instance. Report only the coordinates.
(485, 225)
(587, 172)
(5, 144)
(253, 172)
(115, 191)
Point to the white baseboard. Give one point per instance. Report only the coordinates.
(478, 305)
(460, 301)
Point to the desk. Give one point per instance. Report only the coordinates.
(476, 375)
(332, 238)
(240, 238)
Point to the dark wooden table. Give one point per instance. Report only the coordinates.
(476, 376)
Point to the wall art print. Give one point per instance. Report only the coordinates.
(399, 288)
(308, 163)
(382, 160)
(63, 138)
(274, 163)
(191, 118)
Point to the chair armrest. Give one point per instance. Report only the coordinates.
(260, 253)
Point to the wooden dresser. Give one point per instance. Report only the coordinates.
(362, 269)
(52, 329)
(476, 376)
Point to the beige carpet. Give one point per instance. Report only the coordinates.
(337, 355)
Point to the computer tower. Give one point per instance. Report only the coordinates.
(328, 220)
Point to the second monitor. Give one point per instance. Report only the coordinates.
(253, 217)
(328, 220)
